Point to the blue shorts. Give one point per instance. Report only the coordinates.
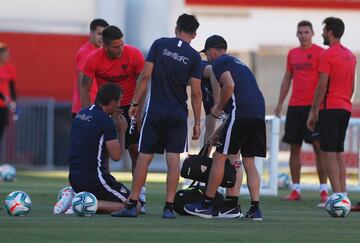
(161, 132)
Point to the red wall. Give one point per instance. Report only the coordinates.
(45, 62)
(344, 4)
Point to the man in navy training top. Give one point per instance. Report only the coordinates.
(94, 137)
(171, 64)
(244, 129)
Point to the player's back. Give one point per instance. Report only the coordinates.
(175, 62)
(87, 145)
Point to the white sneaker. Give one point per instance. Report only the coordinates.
(321, 205)
(69, 210)
(142, 198)
(65, 201)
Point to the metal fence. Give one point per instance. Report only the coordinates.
(30, 140)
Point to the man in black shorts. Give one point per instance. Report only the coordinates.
(244, 130)
(94, 136)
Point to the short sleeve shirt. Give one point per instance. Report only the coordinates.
(303, 64)
(247, 100)
(81, 56)
(90, 129)
(122, 71)
(7, 73)
(175, 63)
(339, 63)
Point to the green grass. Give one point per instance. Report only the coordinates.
(283, 221)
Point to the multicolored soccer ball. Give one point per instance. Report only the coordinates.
(65, 190)
(283, 181)
(84, 204)
(18, 203)
(7, 172)
(338, 205)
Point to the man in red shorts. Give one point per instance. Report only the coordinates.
(7, 87)
(302, 68)
(95, 41)
(121, 64)
(333, 97)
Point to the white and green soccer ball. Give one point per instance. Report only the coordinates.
(18, 203)
(283, 181)
(338, 205)
(7, 172)
(84, 204)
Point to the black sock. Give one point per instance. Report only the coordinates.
(231, 201)
(131, 204)
(207, 201)
(255, 204)
(169, 205)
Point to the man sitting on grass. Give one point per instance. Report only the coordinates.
(95, 136)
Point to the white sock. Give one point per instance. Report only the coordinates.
(344, 193)
(142, 196)
(296, 187)
(323, 187)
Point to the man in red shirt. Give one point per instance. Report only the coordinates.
(7, 87)
(95, 41)
(333, 97)
(121, 64)
(302, 68)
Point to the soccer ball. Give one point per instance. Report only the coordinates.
(18, 203)
(7, 172)
(84, 204)
(283, 180)
(65, 190)
(338, 205)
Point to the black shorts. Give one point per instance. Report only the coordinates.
(333, 125)
(207, 95)
(246, 135)
(103, 187)
(161, 132)
(296, 130)
(4, 119)
(130, 139)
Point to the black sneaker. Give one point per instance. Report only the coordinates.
(254, 214)
(226, 212)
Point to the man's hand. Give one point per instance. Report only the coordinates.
(120, 121)
(196, 132)
(277, 110)
(312, 119)
(216, 112)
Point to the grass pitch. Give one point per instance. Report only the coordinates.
(283, 221)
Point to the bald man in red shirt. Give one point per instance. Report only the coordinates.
(333, 97)
(7, 87)
(121, 64)
(95, 41)
(302, 68)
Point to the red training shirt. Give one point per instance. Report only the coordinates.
(7, 73)
(81, 56)
(122, 71)
(339, 63)
(303, 64)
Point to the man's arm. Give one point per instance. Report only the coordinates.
(116, 147)
(215, 86)
(196, 99)
(320, 92)
(85, 87)
(284, 89)
(227, 91)
(141, 87)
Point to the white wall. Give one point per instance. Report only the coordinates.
(250, 28)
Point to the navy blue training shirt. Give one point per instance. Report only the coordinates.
(247, 100)
(175, 62)
(90, 129)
